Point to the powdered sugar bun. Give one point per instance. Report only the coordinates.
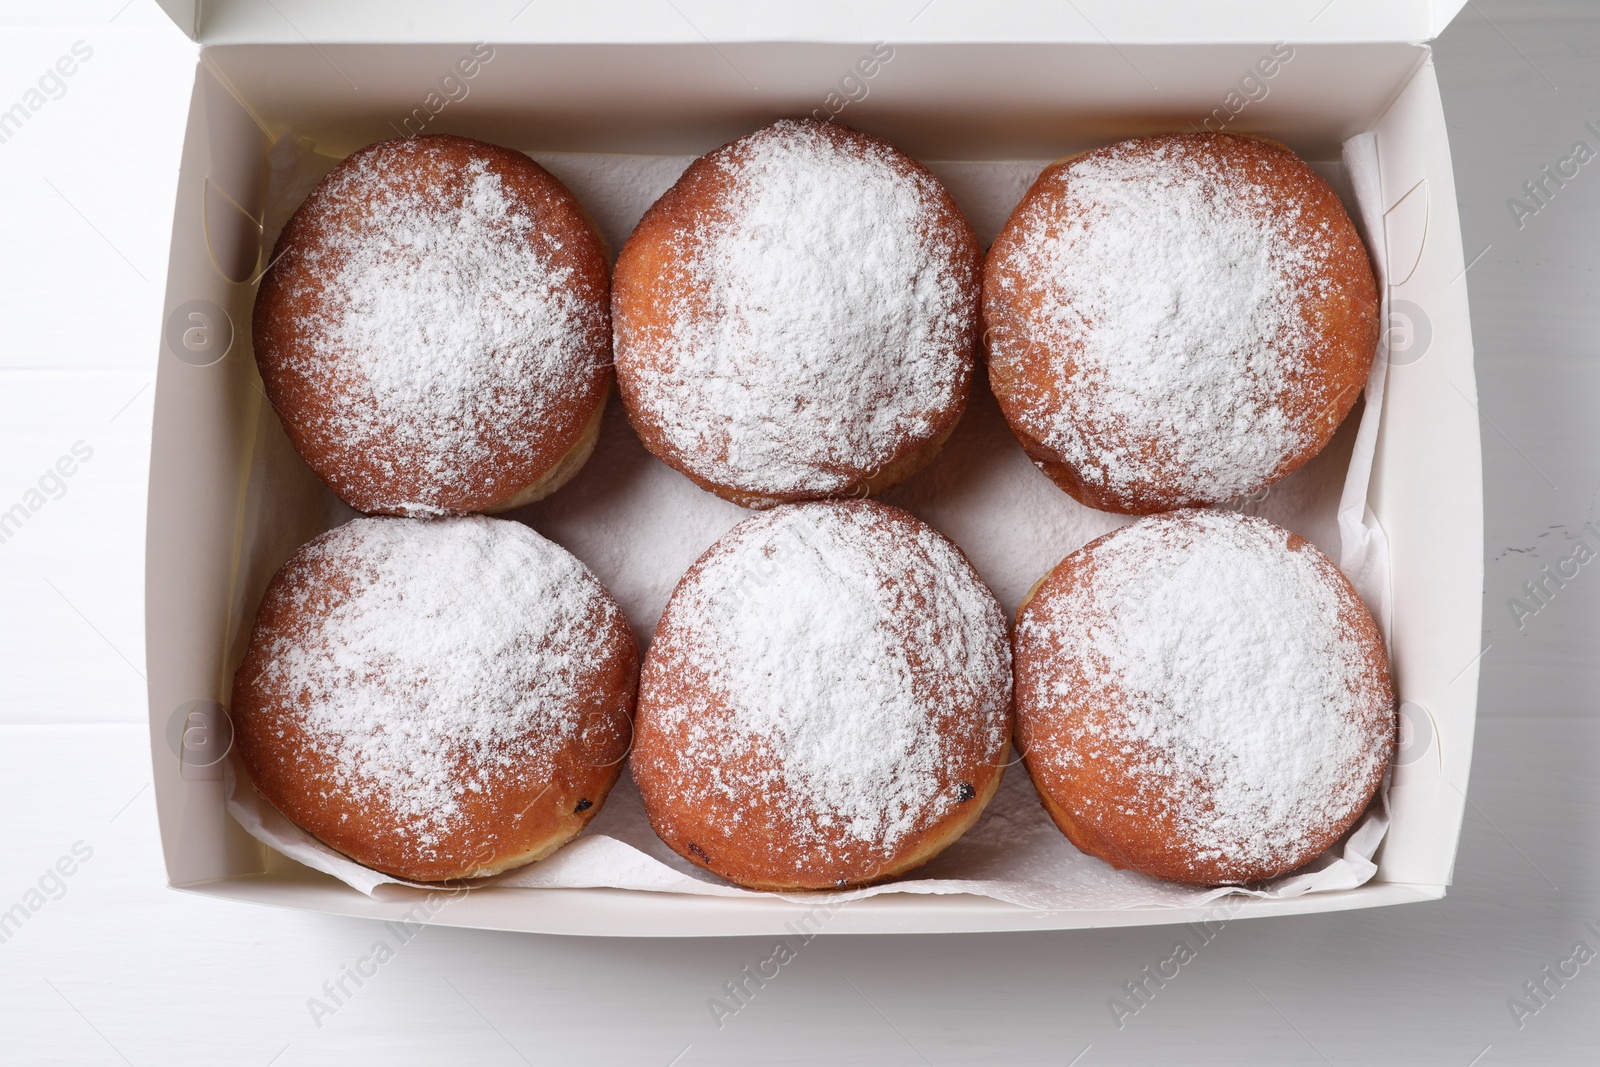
(826, 702)
(1202, 697)
(797, 317)
(1177, 320)
(435, 329)
(436, 699)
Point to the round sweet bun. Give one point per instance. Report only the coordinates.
(434, 330)
(826, 702)
(436, 699)
(1202, 697)
(1178, 320)
(797, 317)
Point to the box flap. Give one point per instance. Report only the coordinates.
(1093, 21)
(185, 13)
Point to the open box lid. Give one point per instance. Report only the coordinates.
(931, 21)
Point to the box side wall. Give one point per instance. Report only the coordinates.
(936, 101)
(1434, 525)
(618, 913)
(184, 13)
(205, 412)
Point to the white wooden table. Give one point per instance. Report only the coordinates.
(106, 965)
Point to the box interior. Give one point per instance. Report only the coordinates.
(937, 101)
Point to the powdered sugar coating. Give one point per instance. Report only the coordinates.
(822, 315)
(1198, 678)
(1171, 318)
(425, 666)
(441, 322)
(822, 682)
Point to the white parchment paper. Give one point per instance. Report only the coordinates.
(639, 525)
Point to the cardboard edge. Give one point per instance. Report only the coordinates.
(197, 403)
(410, 21)
(621, 913)
(1435, 527)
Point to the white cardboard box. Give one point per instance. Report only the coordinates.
(1013, 81)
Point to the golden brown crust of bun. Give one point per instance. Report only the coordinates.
(1346, 323)
(511, 820)
(525, 450)
(566, 467)
(748, 862)
(693, 809)
(885, 478)
(651, 285)
(1103, 804)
